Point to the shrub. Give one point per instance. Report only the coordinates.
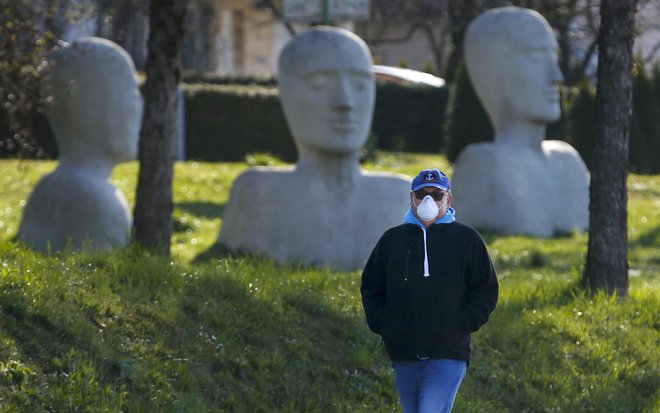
(406, 118)
(220, 123)
(194, 76)
(558, 130)
(26, 135)
(645, 127)
(644, 140)
(409, 118)
(467, 121)
(581, 121)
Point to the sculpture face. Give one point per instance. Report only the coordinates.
(328, 94)
(533, 75)
(95, 102)
(95, 109)
(511, 56)
(125, 105)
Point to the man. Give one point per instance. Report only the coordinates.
(94, 107)
(324, 211)
(520, 183)
(428, 284)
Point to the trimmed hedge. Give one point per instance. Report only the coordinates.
(406, 118)
(227, 122)
(194, 76)
(409, 118)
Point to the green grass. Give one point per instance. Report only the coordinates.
(131, 332)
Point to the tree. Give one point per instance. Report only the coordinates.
(153, 206)
(26, 36)
(443, 24)
(466, 120)
(275, 7)
(644, 144)
(607, 265)
(124, 23)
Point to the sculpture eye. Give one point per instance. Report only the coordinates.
(360, 81)
(316, 81)
(359, 84)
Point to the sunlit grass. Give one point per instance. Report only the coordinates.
(128, 331)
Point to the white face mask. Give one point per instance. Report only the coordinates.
(428, 209)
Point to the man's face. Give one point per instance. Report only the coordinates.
(533, 82)
(329, 100)
(442, 198)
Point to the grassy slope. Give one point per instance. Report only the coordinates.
(130, 332)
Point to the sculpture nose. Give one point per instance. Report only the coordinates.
(555, 75)
(343, 99)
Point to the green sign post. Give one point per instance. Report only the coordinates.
(326, 12)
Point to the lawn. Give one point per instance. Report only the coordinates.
(131, 332)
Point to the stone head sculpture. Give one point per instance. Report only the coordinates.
(327, 91)
(511, 57)
(314, 212)
(94, 106)
(94, 103)
(521, 183)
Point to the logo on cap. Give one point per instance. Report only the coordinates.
(429, 177)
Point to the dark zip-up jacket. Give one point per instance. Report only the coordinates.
(429, 317)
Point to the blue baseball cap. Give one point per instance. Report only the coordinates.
(431, 177)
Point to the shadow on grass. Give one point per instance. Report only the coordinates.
(531, 354)
(218, 251)
(295, 352)
(204, 339)
(490, 236)
(648, 239)
(208, 210)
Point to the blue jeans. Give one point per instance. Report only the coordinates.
(428, 386)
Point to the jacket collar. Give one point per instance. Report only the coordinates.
(411, 218)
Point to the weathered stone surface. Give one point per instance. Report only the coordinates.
(95, 110)
(519, 183)
(324, 210)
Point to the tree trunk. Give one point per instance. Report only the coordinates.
(153, 205)
(461, 15)
(607, 264)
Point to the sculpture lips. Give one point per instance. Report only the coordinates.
(343, 123)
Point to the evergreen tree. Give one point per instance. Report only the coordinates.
(466, 121)
(645, 135)
(581, 122)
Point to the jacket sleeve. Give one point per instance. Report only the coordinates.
(483, 288)
(373, 289)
